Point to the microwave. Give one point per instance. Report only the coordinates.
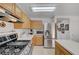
(39, 32)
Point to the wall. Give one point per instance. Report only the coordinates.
(73, 28)
(8, 28)
(23, 34)
(66, 34)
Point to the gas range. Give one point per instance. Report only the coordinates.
(9, 45)
(13, 48)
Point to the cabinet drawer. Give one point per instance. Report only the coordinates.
(18, 12)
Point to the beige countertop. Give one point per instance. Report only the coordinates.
(70, 45)
(29, 37)
(7, 33)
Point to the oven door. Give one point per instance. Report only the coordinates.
(1, 40)
(27, 50)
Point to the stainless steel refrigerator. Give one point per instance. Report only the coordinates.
(48, 39)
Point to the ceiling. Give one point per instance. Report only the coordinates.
(67, 9)
(62, 9)
(27, 8)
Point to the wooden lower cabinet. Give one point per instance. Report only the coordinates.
(59, 50)
(37, 40)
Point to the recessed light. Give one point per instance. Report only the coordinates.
(43, 9)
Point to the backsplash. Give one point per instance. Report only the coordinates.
(22, 33)
(9, 27)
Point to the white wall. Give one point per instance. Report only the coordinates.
(66, 34)
(8, 28)
(23, 34)
(73, 28)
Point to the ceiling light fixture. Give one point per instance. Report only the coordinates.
(43, 9)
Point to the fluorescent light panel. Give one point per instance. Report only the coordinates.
(43, 9)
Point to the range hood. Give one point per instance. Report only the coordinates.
(8, 14)
(2, 13)
(13, 19)
(18, 21)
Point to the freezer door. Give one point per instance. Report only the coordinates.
(48, 43)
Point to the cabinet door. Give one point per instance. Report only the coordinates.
(8, 6)
(24, 16)
(39, 41)
(18, 25)
(22, 25)
(26, 20)
(34, 41)
(12, 7)
(26, 24)
(59, 50)
(18, 12)
(36, 24)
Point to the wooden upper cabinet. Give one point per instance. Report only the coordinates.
(24, 16)
(15, 10)
(22, 25)
(36, 24)
(18, 12)
(18, 25)
(8, 6)
(26, 24)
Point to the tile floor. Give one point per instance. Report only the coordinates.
(40, 50)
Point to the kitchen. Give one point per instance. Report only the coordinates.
(19, 34)
(39, 29)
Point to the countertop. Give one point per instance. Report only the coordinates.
(7, 33)
(29, 37)
(70, 45)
